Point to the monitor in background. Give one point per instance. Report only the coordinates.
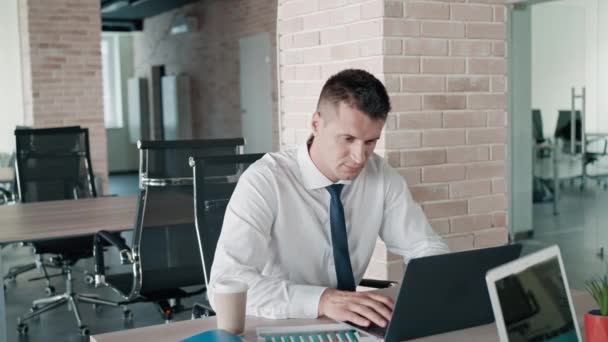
(562, 128)
(537, 126)
(531, 299)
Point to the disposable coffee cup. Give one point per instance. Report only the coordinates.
(230, 302)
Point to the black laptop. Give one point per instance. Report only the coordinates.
(443, 293)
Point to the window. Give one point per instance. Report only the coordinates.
(112, 88)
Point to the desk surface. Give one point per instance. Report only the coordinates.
(180, 330)
(43, 220)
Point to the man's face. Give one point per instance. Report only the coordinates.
(343, 141)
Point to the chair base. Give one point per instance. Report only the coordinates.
(200, 310)
(71, 299)
(40, 264)
(169, 307)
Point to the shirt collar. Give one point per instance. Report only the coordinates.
(312, 177)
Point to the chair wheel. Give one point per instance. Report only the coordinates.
(11, 279)
(49, 290)
(22, 329)
(84, 331)
(89, 280)
(127, 315)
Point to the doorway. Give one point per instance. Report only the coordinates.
(256, 93)
(558, 166)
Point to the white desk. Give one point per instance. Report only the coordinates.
(53, 219)
(180, 330)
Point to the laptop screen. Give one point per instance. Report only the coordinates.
(535, 306)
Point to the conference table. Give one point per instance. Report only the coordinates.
(57, 219)
(181, 330)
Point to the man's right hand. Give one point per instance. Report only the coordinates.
(360, 308)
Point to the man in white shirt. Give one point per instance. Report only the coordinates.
(302, 224)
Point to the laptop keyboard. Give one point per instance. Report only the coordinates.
(373, 329)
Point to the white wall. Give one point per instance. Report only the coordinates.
(569, 43)
(122, 153)
(602, 69)
(520, 121)
(11, 92)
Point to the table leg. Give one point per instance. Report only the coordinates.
(555, 180)
(3, 330)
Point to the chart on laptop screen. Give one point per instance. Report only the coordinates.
(535, 304)
(310, 333)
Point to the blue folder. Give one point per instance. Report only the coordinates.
(214, 336)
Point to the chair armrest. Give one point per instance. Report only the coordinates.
(114, 240)
(101, 239)
(376, 283)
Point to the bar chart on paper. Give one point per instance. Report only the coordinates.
(309, 333)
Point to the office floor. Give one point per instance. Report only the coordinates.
(123, 184)
(580, 229)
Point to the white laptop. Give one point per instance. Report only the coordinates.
(531, 299)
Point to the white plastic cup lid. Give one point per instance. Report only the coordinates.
(230, 286)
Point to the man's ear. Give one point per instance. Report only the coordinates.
(317, 122)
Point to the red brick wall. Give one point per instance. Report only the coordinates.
(61, 51)
(444, 65)
(210, 56)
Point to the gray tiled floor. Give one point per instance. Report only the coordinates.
(60, 324)
(580, 230)
(123, 184)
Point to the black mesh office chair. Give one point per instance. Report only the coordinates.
(55, 164)
(563, 132)
(215, 179)
(164, 255)
(542, 188)
(7, 194)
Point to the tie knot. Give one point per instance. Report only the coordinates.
(335, 189)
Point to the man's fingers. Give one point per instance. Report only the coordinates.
(367, 312)
(353, 317)
(360, 308)
(377, 306)
(388, 301)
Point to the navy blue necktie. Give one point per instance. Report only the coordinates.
(344, 270)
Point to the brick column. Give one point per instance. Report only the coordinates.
(444, 66)
(318, 38)
(61, 51)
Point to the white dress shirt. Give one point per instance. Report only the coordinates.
(276, 235)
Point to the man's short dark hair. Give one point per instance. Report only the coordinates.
(358, 89)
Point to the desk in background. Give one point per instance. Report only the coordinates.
(47, 220)
(6, 174)
(180, 330)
